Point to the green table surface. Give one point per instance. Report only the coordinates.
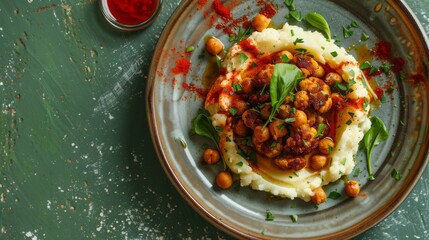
(76, 156)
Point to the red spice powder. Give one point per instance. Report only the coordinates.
(383, 50)
(269, 10)
(221, 10)
(228, 28)
(398, 64)
(201, 92)
(379, 92)
(182, 66)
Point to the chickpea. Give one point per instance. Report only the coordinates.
(332, 77)
(240, 106)
(284, 111)
(260, 22)
(352, 188)
(300, 118)
(240, 128)
(326, 106)
(319, 196)
(247, 85)
(261, 134)
(319, 72)
(326, 145)
(283, 55)
(301, 100)
(251, 118)
(317, 162)
(266, 111)
(224, 180)
(214, 46)
(211, 156)
(277, 129)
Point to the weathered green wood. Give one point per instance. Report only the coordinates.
(76, 157)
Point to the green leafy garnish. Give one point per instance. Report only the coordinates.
(218, 61)
(375, 135)
(237, 87)
(233, 111)
(294, 218)
(334, 54)
(396, 175)
(364, 37)
(320, 130)
(347, 32)
(270, 216)
(298, 40)
(203, 126)
(283, 81)
(243, 58)
(285, 58)
(297, 15)
(334, 195)
(190, 49)
(365, 65)
(318, 21)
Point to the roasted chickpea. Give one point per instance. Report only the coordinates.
(251, 118)
(300, 118)
(319, 196)
(266, 111)
(247, 86)
(214, 46)
(211, 156)
(284, 111)
(332, 77)
(326, 145)
(260, 22)
(240, 106)
(352, 188)
(319, 72)
(240, 128)
(326, 106)
(261, 134)
(301, 100)
(277, 129)
(284, 55)
(317, 161)
(224, 180)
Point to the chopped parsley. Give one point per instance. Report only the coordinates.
(233, 111)
(243, 58)
(396, 175)
(237, 87)
(270, 216)
(320, 130)
(190, 49)
(298, 40)
(285, 58)
(334, 54)
(364, 37)
(294, 218)
(347, 32)
(334, 195)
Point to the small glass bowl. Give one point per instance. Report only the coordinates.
(127, 27)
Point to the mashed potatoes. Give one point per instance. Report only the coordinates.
(340, 113)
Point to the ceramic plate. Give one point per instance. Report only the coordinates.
(173, 100)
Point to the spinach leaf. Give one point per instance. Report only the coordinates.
(375, 135)
(203, 126)
(283, 81)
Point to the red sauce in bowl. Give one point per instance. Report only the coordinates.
(132, 12)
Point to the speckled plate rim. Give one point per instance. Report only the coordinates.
(377, 216)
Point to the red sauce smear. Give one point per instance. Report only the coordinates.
(132, 12)
(182, 66)
(247, 46)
